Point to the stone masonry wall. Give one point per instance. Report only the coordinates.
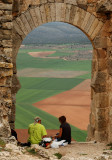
(6, 66)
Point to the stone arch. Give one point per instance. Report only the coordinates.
(61, 12)
(88, 17)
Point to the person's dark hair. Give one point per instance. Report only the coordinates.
(62, 119)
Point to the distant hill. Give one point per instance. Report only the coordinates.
(56, 33)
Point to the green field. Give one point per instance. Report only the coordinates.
(26, 61)
(37, 89)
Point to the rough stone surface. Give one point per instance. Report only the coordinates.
(94, 18)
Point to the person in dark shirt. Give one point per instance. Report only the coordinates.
(65, 130)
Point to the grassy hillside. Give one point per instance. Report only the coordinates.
(56, 33)
(36, 89)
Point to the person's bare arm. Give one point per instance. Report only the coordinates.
(60, 133)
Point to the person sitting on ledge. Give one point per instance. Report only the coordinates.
(64, 134)
(65, 130)
(36, 132)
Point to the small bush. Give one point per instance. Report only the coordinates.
(110, 144)
(2, 143)
(58, 155)
(32, 151)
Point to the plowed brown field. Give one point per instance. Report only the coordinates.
(41, 54)
(74, 104)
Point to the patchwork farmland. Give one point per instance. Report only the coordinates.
(43, 79)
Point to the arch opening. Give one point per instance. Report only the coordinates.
(54, 73)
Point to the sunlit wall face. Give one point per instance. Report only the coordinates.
(54, 69)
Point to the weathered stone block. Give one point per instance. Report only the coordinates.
(18, 29)
(8, 1)
(102, 65)
(21, 26)
(67, 13)
(12, 117)
(58, 11)
(7, 52)
(77, 15)
(99, 82)
(90, 22)
(1, 12)
(6, 18)
(15, 84)
(101, 53)
(63, 12)
(74, 2)
(8, 103)
(8, 13)
(53, 12)
(104, 6)
(110, 66)
(5, 37)
(101, 100)
(59, 1)
(109, 52)
(35, 2)
(92, 120)
(6, 72)
(93, 26)
(7, 25)
(103, 114)
(51, 1)
(12, 125)
(81, 18)
(43, 1)
(86, 19)
(4, 6)
(82, 4)
(30, 20)
(72, 13)
(101, 136)
(25, 21)
(6, 43)
(48, 12)
(2, 82)
(101, 125)
(5, 129)
(100, 42)
(5, 92)
(34, 18)
(43, 14)
(97, 30)
(91, 132)
(109, 41)
(6, 65)
(6, 32)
